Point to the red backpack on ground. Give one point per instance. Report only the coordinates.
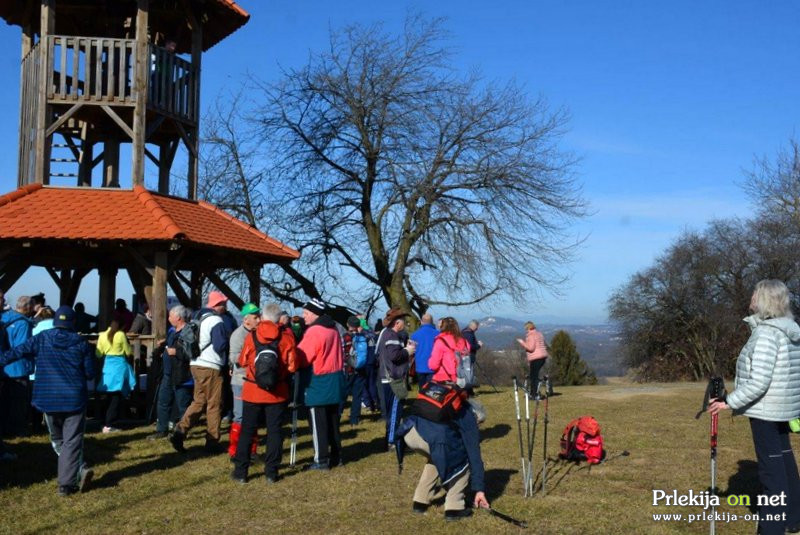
(582, 441)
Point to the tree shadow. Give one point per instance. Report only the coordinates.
(745, 481)
(496, 431)
(496, 482)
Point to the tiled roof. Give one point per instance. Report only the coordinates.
(38, 212)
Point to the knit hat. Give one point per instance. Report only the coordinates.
(248, 309)
(317, 306)
(216, 298)
(64, 318)
(353, 321)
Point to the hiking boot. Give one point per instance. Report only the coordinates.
(176, 440)
(317, 466)
(238, 479)
(457, 514)
(85, 479)
(420, 508)
(158, 435)
(272, 479)
(67, 490)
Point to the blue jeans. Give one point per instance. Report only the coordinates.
(355, 386)
(237, 403)
(777, 472)
(370, 396)
(168, 396)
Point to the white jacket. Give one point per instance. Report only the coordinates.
(208, 357)
(767, 385)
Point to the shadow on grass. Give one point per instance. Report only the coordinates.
(496, 482)
(156, 462)
(496, 431)
(745, 481)
(360, 450)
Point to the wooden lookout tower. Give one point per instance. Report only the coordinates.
(97, 74)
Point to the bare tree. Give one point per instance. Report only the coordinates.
(774, 184)
(399, 180)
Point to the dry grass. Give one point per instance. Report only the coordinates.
(145, 487)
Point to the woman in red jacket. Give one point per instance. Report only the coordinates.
(256, 400)
(443, 361)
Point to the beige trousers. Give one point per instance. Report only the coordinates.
(424, 493)
(208, 398)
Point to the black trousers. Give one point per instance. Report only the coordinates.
(533, 381)
(273, 414)
(113, 399)
(324, 423)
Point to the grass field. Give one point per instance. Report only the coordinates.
(145, 487)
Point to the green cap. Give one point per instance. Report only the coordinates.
(249, 308)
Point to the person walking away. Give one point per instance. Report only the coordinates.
(257, 401)
(424, 337)
(46, 315)
(357, 352)
(370, 399)
(117, 379)
(536, 355)
(15, 394)
(443, 361)
(393, 362)
(206, 368)
(453, 460)
(173, 390)
(767, 391)
(320, 361)
(251, 315)
(64, 363)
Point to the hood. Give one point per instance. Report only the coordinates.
(324, 321)
(786, 325)
(267, 331)
(62, 338)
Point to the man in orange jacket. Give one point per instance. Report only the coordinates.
(256, 400)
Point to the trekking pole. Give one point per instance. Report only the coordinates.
(511, 520)
(528, 440)
(519, 429)
(714, 391)
(546, 421)
(532, 444)
(293, 447)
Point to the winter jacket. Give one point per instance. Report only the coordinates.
(424, 337)
(767, 385)
(321, 360)
(235, 350)
(472, 340)
(214, 340)
(64, 362)
(443, 360)
(18, 329)
(267, 332)
(535, 346)
(454, 446)
(392, 356)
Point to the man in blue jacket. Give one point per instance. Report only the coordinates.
(15, 400)
(64, 362)
(424, 338)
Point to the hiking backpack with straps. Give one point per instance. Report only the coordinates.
(438, 402)
(190, 336)
(582, 441)
(465, 374)
(265, 366)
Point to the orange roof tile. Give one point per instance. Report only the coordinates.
(38, 212)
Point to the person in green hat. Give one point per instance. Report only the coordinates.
(251, 315)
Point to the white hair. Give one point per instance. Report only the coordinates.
(772, 299)
(271, 312)
(181, 311)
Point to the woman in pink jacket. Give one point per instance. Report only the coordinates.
(443, 361)
(536, 351)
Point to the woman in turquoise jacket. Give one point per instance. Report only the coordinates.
(117, 379)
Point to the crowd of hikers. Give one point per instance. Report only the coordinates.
(268, 364)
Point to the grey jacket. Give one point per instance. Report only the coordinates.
(767, 385)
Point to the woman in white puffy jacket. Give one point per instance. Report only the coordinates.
(767, 390)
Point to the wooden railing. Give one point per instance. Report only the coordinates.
(102, 70)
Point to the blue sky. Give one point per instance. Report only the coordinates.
(669, 104)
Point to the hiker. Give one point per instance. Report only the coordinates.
(15, 392)
(767, 391)
(206, 368)
(359, 356)
(257, 401)
(474, 344)
(424, 337)
(320, 359)
(393, 362)
(84, 323)
(369, 398)
(251, 315)
(123, 315)
(117, 379)
(536, 353)
(453, 459)
(64, 362)
(443, 361)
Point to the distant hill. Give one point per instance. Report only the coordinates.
(597, 344)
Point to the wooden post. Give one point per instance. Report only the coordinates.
(254, 281)
(111, 163)
(85, 164)
(164, 165)
(197, 55)
(41, 170)
(158, 306)
(27, 45)
(142, 65)
(108, 289)
(196, 289)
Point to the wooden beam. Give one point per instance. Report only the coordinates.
(152, 157)
(196, 289)
(69, 296)
(41, 166)
(141, 260)
(254, 283)
(197, 57)
(63, 119)
(179, 291)
(85, 163)
(111, 163)
(76, 152)
(11, 274)
(186, 139)
(141, 75)
(97, 159)
(224, 288)
(117, 119)
(153, 126)
(158, 307)
(105, 305)
(55, 276)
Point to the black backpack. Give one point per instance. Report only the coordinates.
(265, 366)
